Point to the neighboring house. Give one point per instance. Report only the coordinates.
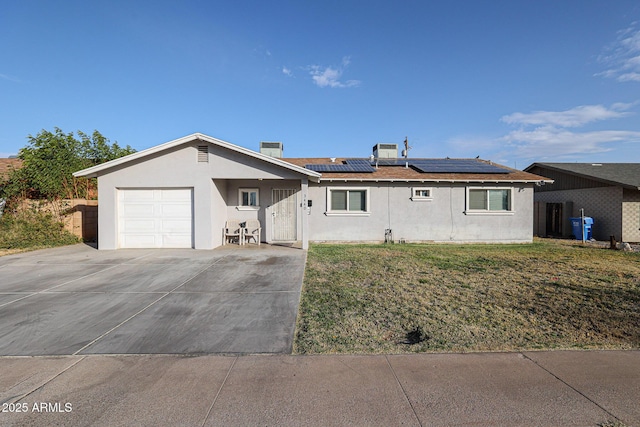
(179, 194)
(608, 192)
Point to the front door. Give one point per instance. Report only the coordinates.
(284, 215)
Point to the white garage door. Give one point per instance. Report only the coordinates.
(155, 218)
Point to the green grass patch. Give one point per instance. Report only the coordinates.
(544, 295)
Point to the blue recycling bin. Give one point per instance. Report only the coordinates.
(577, 230)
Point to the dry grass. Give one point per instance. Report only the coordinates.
(4, 252)
(544, 295)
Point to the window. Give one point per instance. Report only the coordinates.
(489, 200)
(248, 198)
(347, 201)
(421, 194)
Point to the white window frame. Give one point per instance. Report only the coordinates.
(331, 212)
(242, 207)
(469, 211)
(417, 198)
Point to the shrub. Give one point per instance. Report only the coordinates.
(32, 228)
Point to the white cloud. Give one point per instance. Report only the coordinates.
(622, 57)
(546, 134)
(286, 71)
(577, 116)
(550, 142)
(330, 76)
(556, 136)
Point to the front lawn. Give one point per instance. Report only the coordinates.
(417, 298)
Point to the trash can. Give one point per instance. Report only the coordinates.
(586, 226)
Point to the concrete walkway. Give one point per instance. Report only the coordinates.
(579, 388)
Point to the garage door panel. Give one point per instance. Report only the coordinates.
(176, 226)
(155, 218)
(175, 211)
(176, 195)
(138, 210)
(137, 195)
(134, 227)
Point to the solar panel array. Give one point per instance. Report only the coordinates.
(421, 165)
(343, 167)
(455, 166)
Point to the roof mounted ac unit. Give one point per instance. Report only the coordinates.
(273, 149)
(385, 151)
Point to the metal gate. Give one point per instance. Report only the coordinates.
(284, 215)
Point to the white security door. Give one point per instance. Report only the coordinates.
(284, 215)
(155, 218)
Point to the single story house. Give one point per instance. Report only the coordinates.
(181, 193)
(608, 192)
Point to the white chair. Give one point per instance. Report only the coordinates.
(233, 232)
(252, 230)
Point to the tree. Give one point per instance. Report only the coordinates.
(50, 159)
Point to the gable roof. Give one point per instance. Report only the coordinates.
(6, 165)
(621, 174)
(388, 173)
(94, 171)
(384, 172)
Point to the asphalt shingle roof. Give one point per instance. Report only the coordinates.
(401, 173)
(623, 174)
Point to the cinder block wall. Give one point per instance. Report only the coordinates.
(82, 218)
(631, 216)
(603, 204)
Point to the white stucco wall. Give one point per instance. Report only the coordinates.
(265, 187)
(443, 219)
(214, 188)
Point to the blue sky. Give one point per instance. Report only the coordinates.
(511, 81)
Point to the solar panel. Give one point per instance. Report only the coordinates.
(455, 166)
(342, 167)
(444, 165)
(389, 162)
(421, 165)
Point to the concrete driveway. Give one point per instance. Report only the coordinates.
(76, 300)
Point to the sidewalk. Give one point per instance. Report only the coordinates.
(530, 388)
